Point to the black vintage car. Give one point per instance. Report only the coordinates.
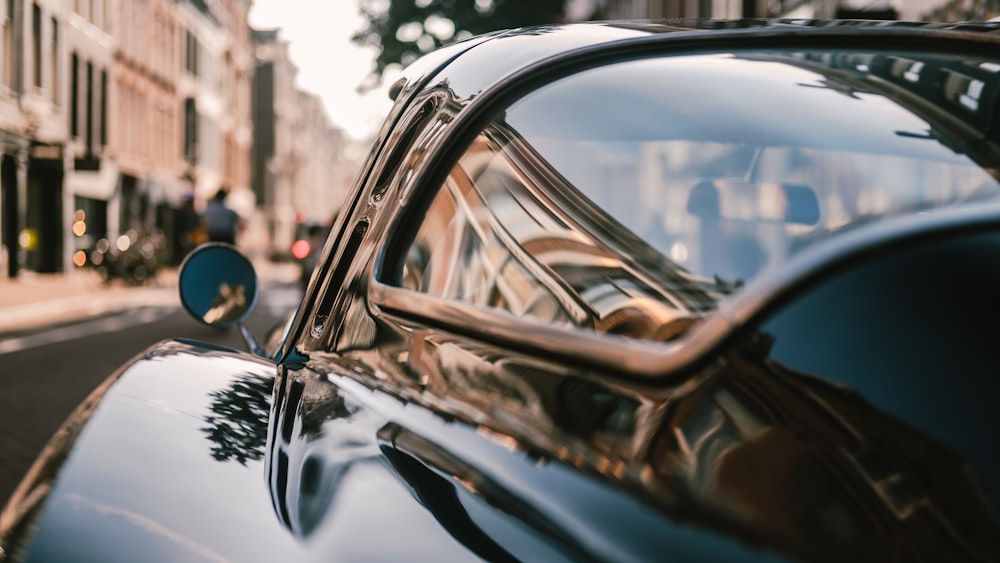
(617, 291)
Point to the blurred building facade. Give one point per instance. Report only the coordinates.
(300, 171)
(237, 123)
(201, 92)
(144, 126)
(35, 132)
(113, 113)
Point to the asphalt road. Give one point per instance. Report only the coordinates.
(45, 373)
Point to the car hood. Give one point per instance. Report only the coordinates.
(162, 462)
(165, 462)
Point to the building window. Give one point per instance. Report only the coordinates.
(36, 43)
(190, 131)
(104, 108)
(7, 53)
(88, 114)
(54, 56)
(191, 53)
(74, 95)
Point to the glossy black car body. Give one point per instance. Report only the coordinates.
(555, 324)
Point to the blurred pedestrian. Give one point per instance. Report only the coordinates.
(221, 222)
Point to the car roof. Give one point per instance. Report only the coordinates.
(470, 67)
(474, 66)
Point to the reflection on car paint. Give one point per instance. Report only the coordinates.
(747, 447)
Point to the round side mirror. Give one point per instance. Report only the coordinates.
(218, 285)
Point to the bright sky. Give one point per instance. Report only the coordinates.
(330, 65)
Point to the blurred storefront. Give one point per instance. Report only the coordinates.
(42, 236)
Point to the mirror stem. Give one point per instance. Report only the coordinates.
(252, 343)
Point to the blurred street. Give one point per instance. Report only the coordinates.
(62, 334)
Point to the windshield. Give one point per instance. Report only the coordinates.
(728, 163)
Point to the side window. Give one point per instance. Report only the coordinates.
(908, 339)
(468, 248)
(496, 236)
(616, 199)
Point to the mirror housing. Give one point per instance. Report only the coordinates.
(218, 285)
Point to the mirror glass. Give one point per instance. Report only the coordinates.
(218, 285)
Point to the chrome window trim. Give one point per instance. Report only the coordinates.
(576, 345)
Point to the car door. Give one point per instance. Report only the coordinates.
(853, 413)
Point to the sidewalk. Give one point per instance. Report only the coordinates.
(33, 300)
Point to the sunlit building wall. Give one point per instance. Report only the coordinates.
(112, 112)
(145, 143)
(235, 125)
(33, 135)
(55, 102)
(14, 136)
(91, 172)
(201, 96)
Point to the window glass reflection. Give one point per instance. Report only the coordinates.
(721, 162)
(489, 240)
(631, 197)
